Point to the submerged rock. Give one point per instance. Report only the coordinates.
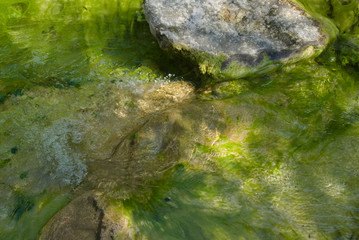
(231, 39)
(86, 217)
(64, 134)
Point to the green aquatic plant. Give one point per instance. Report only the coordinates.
(258, 176)
(31, 213)
(23, 204)
(4, 162)
(84, 84)
(67, 43)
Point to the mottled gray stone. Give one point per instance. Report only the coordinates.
(250, 33)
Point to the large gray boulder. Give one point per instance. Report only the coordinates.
(234, 38)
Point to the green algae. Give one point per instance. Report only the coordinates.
(210, 68)
(348, 48)
(59, 127)
(32, 213)
(284, 167)
(214, 205)
(343, 14)
(269, 157)
(4, 162)
(68, 43)
(22, 205)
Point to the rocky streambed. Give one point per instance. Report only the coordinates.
(127, 142)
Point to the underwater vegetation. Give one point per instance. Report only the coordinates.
(67, 43)
(90, 103)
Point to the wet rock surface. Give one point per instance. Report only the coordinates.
(246, 33)
(85, 217)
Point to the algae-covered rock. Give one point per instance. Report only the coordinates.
(232, 39)
(248, 160)
(52, 139)
(241, 159)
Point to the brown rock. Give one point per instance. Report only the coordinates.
(85, 218)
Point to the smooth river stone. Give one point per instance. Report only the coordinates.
(234, 38)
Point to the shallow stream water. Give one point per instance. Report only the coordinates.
(88, 101)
